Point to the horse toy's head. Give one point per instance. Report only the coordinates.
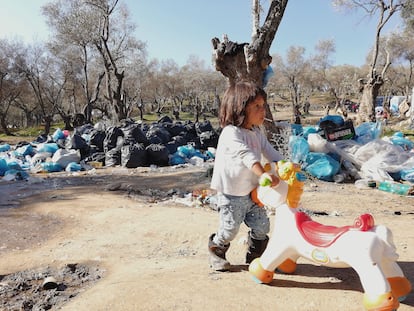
(289, 191)
(294, 177)
(288, 171)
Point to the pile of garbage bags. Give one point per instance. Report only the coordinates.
(332, 150)
(132, 144)
(354, 153)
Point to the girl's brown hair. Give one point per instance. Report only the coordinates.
(235, 100)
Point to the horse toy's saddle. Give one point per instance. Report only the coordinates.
(322, 235)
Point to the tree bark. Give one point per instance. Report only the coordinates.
(249, 61)
(370, 90)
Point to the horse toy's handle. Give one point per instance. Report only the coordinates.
(294, 177)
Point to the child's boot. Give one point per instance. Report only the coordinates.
(218, 261)
(256, 248)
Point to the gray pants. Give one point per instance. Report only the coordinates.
(233, 211)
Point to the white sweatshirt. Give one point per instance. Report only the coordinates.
(237, 150)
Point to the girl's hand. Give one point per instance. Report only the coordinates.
(267, 179)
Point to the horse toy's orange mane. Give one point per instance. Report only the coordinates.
(294, 177)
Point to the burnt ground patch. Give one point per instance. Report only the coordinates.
(46, 288)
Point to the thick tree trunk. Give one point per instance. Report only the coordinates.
(87, 111)
(118, 101)
(249, 61)
(67, 121)
(3, 124)
(48, 123)
(370, 90)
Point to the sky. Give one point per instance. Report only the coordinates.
(182, 28)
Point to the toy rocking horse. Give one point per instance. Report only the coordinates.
(367, 248)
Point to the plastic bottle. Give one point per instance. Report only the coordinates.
(365, 184)
(394, 187)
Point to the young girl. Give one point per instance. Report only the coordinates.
(237, 169)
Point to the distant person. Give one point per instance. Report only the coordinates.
(327, 109)
(385, 116)
(236, 172)
(306, 107)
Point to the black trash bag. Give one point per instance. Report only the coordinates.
(84, 129)
(208, 139)
(204, 126)
(97, 140)
(327, 124)
(189, 135)
(133, 134)
(42, 138)
(180, 140)
(155, 140)
(195, 142)
(172, 146)
(174, 128)
(77, 142)
(158, 154)
(113, 138)
(113, 157)
(165, 119)
(190, 128)
(22, 143)
(145, 127)
(160, 132)
(134, 155)
(95, 157)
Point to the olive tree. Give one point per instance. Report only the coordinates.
(249, 61)
(10, 83)
(292, 71)
(371, 84)
(102, 33)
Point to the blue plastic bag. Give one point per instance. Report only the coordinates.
(368, 131)
(3, 167)
(308, 130)
(58, 134)
(321, 166)
(48, 147)
(73, 167)
(299, 148)
(51, 167)
(4, 147)
(407, 175)
(297, 129)
(399, 139)
(177, 159)
(24, 151)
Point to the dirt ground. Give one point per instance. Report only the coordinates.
(146, 234)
